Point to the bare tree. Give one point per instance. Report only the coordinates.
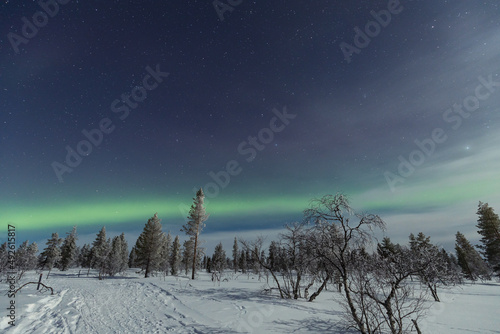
(386, 300)
(339, 232)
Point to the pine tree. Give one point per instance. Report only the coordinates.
(488, 224)
(68, 250)
(51, 254)
(175, 256)
(196, 218)
(100, 251)
(235, 255)
(473, 266)
(148, 245)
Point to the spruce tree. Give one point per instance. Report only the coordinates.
(473, 266)
(100, 251)
(132, 259)
(235, 255)
(3, 258)
(124, 253)
(115, 258)
(51, 254)
(68, 250)
(218, 263)
(25, 258)
(85, 256)
(165, 251)
(175, 256)
(148, 245)
(196, 218)
(187, 255)
(488, 224)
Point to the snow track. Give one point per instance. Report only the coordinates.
(113, 307)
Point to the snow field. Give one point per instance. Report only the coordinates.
(133, 304)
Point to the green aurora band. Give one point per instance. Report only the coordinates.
(113, 211)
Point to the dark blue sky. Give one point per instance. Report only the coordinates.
(351, 124)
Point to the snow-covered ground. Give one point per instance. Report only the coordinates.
(133, 304)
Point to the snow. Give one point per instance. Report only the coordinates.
(133, 304)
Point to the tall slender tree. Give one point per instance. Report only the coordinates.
(175, 256)
(196, 218)
(488, 224)
(235, 255)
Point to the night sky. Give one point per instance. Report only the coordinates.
(279, 96)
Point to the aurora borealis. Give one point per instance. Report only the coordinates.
(216, 120)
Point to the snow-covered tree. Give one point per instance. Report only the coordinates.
(100, 251)
(196, 218)
(469, 260)
(148, 245)
(242, 262)
(124, 253)
(235, 255)
(132, 259)
(68, 250)
(272, 259)
(165, 251)
(187, 255)
(85, 256)
(175, 256)
(218, 263)
(434, 266)
(115, 261)
(51, 254)
(3, 258)
(25, 258)
(488, 225)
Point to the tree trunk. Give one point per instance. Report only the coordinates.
(296, 288)
(416, 326)
(352, 308)
(146, 274)
(194, 254)
(433, 289)
(316, 294)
